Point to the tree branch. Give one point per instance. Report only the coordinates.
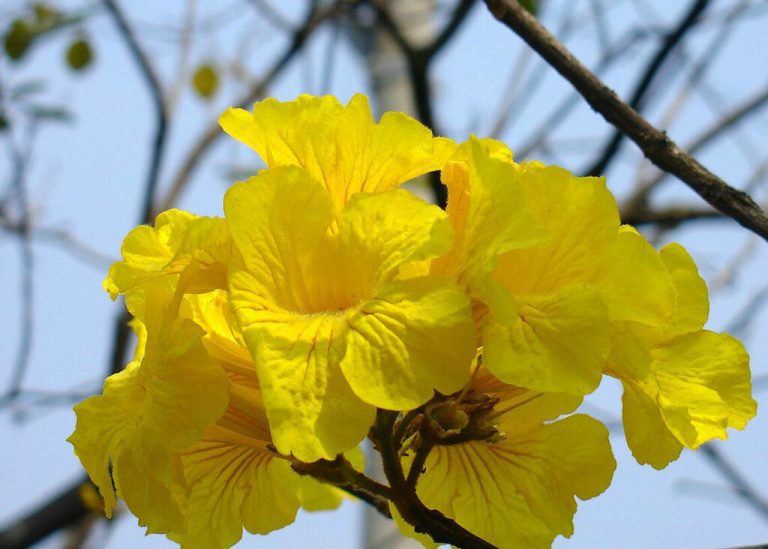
(156, 93)
(64, 510)
(203, 144)
(342, 474)
(752, 105)
(744, 488)
(414, 512)
(419, 60)
(655, 144)
(636, 101)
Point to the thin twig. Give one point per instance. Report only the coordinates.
(637, 99)
(661, 150)
(212, 133)
(156, 93)
(20, 156)
(671, 216)
(743, 488)
(717, 129)
(403, 496)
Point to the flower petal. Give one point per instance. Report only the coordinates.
(486, 207)
(520, 492)
(379, 233)
(647, 434)
(414, 337)
(634, 282)
(342, 147)
(149, 412)
(196, 248)
(235, 482)
(312, 411)
(580, 217)
(279, 221)
(692, 300)
(556, 342)
(704, 386)
(683, 391)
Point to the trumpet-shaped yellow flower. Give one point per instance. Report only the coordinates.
(519, 490)
(333, 331)
(340, 146)
(683, 385)
(155, 408)
(184, 464)
(270, 336)
(527, 259)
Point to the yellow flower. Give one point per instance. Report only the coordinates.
(184, 431)
(529, 241)
(683, 385)
(333, 331)
(233, 476)
(270, 336)
(192, 251)
(341, 147)
(518, 490)
(155, 408)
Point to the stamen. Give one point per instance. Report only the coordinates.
(499, 413)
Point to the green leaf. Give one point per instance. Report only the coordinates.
(79, 54)
(17, 39)
(205, 81)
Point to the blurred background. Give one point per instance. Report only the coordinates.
(108, 115)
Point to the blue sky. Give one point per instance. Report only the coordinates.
(85, 179)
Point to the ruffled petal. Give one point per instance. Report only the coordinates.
(235, 482)
(580, 217)
(380, 233)
(520, 492)
(692, 300)
(100, 429)
(556, 342)
(633, 281)
(487, 209)
(182, 247)
(150, 412)
(342, 147)
(279, 220)
(312, 411)
(647, 434)
(704, 386)
(414, 337)
(680, 392)
(146, 251)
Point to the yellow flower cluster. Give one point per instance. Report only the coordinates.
(327, 292)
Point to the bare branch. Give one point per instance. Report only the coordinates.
(716, 130)
(742, 487)
(661, 150)
(20, 156)
(671, 217)
(667, 46)
(62, 511)
(204, 142)
(156, 94)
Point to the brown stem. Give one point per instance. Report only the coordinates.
(424, 520)
(342, 474)
(654, 143)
